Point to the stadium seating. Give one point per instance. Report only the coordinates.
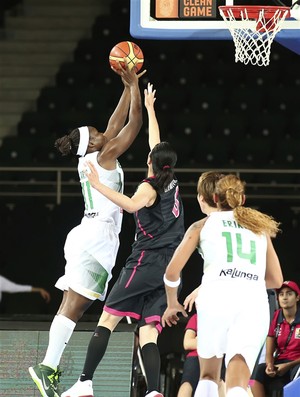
(35, 123)
(270, 125)
(247, 99)
(287, 153)
(230, 126)
(74, 75)
(6, 6)
(16, 151)
(54, 100)
(253, 153)
(204, 93)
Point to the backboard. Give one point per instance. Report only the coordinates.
(197, 20)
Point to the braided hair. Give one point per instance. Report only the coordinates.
(68, 144)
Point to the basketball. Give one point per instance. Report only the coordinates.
(128, 50)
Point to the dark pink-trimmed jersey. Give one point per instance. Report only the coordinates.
(162, 224)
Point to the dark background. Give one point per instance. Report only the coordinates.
(201, 95)
(218, 114)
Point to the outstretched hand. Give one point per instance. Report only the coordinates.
(129, 77)
(92, 174)
(44, 294)
(139, 75)
(170, 316)
(149, 96)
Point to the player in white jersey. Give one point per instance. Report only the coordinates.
(91, 247)
(239, 264)
(139, 291)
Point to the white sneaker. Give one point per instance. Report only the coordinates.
(154, 394)
(80, 389)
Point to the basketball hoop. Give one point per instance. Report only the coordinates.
(253, 29)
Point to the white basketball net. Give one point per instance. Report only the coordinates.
(253, 37)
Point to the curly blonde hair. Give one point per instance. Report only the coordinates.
(230, 192)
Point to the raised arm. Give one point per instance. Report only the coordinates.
(118, 118)
(118, 145)
(154, 132)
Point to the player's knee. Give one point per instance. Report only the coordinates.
(148, 334)
(207, 377)
(109, 320)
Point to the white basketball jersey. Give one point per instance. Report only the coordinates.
(232, 290)
(95, 202)
(232, 253)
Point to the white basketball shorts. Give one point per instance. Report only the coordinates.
(231, 323)
(90, 252)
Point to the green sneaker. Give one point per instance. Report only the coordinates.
(46, 379)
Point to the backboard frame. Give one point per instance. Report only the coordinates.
(142, 26)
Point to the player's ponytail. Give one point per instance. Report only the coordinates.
(68, 144)
(230, 192)
(164, 159)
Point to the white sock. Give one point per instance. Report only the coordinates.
(206, 388)
(59, 334)
(237, 392)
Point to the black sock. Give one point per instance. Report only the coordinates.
(151, 359)
(95, 352)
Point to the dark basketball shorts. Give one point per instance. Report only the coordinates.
(260, 375)
(191, 371)
(139, 291)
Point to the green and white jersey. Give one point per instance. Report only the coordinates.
(232, 253)
(232, 290)
(95, 202)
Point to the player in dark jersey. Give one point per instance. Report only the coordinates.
(139, 291)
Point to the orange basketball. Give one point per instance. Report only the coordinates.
(128, 50)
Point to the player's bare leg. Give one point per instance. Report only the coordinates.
(209, 377)
(237, 377)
